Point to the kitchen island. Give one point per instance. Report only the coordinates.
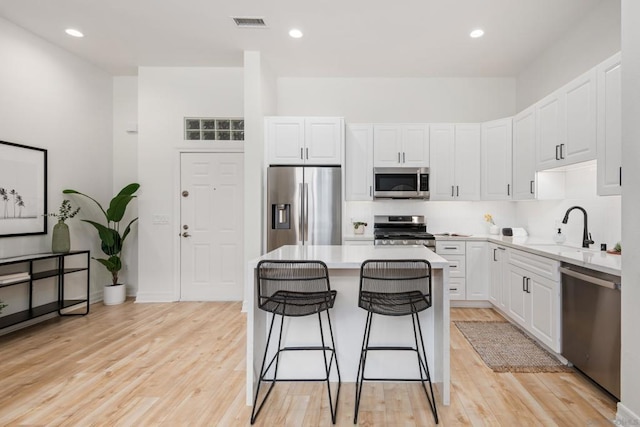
(348, 320)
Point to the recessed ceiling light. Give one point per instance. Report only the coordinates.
(73, 33)
(295, 33)
(479, 32)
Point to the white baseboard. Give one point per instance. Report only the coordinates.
(245, 306)
(626, 417)
(155, 297)
(470, 304)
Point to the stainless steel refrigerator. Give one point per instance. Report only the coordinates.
(304, 206)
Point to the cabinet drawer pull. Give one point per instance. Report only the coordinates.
(453, 265)
(561, 151)
(457, 191)
(453, 289)
(451, 247)
(398, 157)
(508, 189)
(307, 152)
(452, 191)
(403, 157)
(301, 156)
(524, 284)
(531, 187)
(528, 285)
(557, 156)
(494, 254)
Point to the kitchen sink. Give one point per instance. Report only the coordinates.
(555, 248)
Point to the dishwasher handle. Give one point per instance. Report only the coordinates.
(590, 279)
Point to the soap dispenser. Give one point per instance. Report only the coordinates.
(559, 238)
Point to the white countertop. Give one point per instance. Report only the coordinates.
(587, 258)
(350, 257)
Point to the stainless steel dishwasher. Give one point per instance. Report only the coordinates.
(591, 324)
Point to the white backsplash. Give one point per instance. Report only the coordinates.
(538, 217)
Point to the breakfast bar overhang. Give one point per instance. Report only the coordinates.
(348, 319)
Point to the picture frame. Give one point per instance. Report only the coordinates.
(23, 190)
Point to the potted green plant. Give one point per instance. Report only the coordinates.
(112, 239)
(358, 227)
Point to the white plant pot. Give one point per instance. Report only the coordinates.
(114, 295)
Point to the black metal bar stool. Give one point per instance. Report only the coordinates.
(395, 288)
(295, 289)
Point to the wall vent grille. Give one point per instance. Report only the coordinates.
(246, 22)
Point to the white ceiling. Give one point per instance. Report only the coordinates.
(346, 38)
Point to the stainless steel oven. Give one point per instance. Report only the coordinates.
(402, 230)
(401, 183)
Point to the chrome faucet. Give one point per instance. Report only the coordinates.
(586, 236)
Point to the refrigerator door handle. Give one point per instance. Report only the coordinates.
(305, 213)
(301, 213)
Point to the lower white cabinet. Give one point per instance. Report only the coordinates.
(534, 296)
(468, 268)
(477, 271)
(498, 290)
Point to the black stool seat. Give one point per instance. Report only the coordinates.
(291, 303)
(296, 289)
(395, 288)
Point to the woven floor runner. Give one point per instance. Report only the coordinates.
(505, 348)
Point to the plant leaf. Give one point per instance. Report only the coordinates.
(105, 233)
(69, 191)
(118, 207)
(128, 229)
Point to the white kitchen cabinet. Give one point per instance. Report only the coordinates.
(304, 140)
(401, 145)
(496, 160)
(609, 136)
(359, 162)
(534, 296)
(477, 270)
(498, 289)
(454, 252)
(524, 155)
(455, 161)
(566, 124)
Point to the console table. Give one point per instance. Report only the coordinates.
(40, 267)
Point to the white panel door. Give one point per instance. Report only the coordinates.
(442, 153)
(387, 145)
(580, 115)
(467, 161)
(545, 309)
(211, 214)
(609, 137)
(285, 140)
(519, 302)
(415, 145)
(549, 131)
(496, 160)
(323, 141)
(477, 270)
(359, 162)
(524, 155)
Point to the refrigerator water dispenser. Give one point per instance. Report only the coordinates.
(280, 213)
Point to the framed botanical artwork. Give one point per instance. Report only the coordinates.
(23, 190)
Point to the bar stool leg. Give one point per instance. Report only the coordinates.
(423, 365)
(362, 363)
(327, 365)
(263, 371)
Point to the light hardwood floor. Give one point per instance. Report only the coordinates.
(183, 364)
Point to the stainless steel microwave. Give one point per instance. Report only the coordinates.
(401, 183)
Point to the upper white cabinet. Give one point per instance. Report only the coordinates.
(496, 160)
(566, 124)
(609, 137)
(455, 161)
(524, 155)
(401, 145)
(359, 162)
(304, 140)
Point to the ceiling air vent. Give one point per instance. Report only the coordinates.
(245, 22)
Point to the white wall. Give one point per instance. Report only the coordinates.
(52, 99)
(589, 42)
(630, 402)
(125, 167)
(166, 95)
(399, 100)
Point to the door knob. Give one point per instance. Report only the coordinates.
(185, 193)
(186, 234)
